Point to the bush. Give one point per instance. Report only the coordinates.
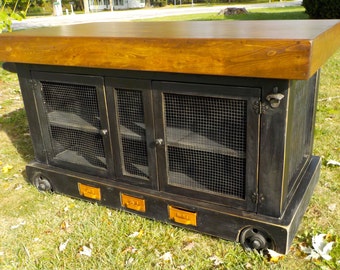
(158, 3)
(40, 10)
(5, 21)
(322, 9)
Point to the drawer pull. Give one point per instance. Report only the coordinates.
(182, 216)
(133, 203)
(89, 192)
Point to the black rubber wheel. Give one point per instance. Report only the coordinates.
(41, 182)
(252, 238)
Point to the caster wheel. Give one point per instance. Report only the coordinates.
(252, 238)
(42, 183)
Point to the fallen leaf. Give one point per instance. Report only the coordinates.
(22, 223)
(130, 249)
(64, 225)
(313, 256)
(320, 248)
(216, 260)
(129, 261)
(62, 246)
(85, 251)
(305, 249)
(274, 256)
(332, 207)
(136, 234)
(333, 163)
(189, 246)
(167, 257)
(18, 187)
(72, 205)
(7, 168)
(249, 266)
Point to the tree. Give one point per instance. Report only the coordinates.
(86, 6)
(5, 21)
(322, 9)
(8, 13)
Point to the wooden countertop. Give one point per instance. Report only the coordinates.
(266, 49)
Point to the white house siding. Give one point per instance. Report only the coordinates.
(99, 5)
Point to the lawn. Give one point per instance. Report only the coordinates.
(49, 231)
(286, 13)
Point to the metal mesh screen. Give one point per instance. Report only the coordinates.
(74, 123)
(132, 130)
(206, 139)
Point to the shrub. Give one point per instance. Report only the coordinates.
(46, 9)
(5, 21)
(322, 9)
(159, 3)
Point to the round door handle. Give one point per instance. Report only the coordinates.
(159, 142)
(103, 132)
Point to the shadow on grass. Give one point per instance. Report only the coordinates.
(15, 125)
(295, 15)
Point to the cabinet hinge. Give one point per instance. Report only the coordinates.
(34, 84)
(257, 198)
(31, 82)
(260, 107)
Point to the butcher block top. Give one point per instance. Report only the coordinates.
(293, 49)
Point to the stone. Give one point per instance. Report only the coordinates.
(233, 11)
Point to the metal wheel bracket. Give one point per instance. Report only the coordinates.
(252, 238)
(41, 182)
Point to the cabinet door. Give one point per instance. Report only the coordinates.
(130, 114)
(209, 142)
(73, 121)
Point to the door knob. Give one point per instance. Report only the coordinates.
(103, 132)
(159, 142)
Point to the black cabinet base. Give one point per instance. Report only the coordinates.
(252, 230)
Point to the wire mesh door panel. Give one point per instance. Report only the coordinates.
(130, 110)
(133, 133)
(206, 140)
(74, 122)
(206, 143)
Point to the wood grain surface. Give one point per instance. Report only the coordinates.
(265, 49)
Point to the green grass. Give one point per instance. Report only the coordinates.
(34, 224)
(285, 13)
